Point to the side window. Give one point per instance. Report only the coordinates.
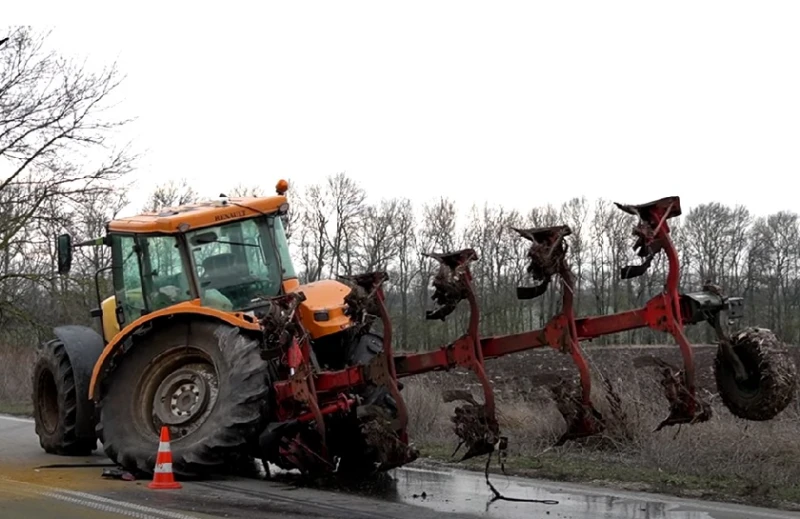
(127, 281)
(253, 251)
(282, 244)
(165, 279)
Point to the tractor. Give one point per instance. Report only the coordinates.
(210, 333)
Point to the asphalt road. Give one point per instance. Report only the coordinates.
(34, 485)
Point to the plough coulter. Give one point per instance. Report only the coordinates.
(222, 344)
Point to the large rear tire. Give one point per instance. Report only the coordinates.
(55, 404)
(772, 376)
(206, 381)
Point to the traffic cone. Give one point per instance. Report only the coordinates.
(163, 478)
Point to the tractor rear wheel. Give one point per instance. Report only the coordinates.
(55, 408)
(771, 381)
(206, 382)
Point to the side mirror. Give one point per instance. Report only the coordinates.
(64, 250)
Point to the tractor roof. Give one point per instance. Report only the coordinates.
(198, 215)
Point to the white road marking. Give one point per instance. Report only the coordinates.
(100, 506)
(96, 502)
(163, 513)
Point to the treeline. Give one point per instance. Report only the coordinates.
(52, 117)
(337, 229)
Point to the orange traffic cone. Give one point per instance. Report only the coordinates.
(163, 478)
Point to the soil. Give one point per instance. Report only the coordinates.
(521, 372)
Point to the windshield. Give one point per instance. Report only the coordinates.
(239, 262)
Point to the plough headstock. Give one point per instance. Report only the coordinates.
(361, 302)
(278, 322)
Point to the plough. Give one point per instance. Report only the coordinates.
(476, 424)
(211, 334)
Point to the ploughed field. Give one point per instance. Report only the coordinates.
(525, 403)
(518, 370)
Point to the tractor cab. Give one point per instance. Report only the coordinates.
(231, 254)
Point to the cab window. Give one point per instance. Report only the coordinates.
(149, 274)
(165, 279)
(127, 278)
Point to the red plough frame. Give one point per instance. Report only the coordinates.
(668, 311)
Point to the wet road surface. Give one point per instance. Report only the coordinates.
(33, 488)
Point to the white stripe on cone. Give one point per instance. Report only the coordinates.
(163, 447)
(161, 468)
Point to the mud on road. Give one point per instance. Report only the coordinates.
(35, 485)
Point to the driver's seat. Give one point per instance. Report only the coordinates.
(223, 269)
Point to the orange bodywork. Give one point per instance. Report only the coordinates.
(189, 307)
(322, 313)
(201, 214)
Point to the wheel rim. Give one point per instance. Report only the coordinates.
(47, 401)
(179, 390)
(183, 394)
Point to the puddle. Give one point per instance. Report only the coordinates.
(452, 491)
(467, 493)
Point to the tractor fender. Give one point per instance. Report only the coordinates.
(83, 346)
(124, 340)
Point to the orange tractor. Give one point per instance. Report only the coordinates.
(210, 333)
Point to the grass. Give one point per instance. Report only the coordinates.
(24, 409)
(16, 364)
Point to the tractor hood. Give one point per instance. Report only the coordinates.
(322, 312)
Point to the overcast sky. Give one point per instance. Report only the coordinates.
(510, 103)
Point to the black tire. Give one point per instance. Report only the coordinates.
(770, 387)
(358, 459)
(362, 352)
(236, 385)
(55, 408)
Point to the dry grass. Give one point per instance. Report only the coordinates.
(726, 457)
(16, 363)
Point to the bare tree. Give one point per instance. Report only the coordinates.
(170, 194)
(405, 234)
(377, 245)
(55, 152)
(347, 200)
(245, 190)
(313, 219)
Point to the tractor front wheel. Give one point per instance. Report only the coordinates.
(771, 376)
(55, 404)
(206, 382)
